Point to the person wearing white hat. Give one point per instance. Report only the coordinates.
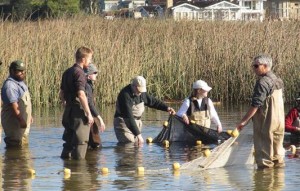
(130, 106)
(199, 108)
(292, 122)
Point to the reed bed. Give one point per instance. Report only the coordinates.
(171, 55)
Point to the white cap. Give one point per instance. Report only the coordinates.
(200, 84)
(140, 83)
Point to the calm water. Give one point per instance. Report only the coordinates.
(45, 146)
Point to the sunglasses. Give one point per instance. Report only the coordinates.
(256, 65)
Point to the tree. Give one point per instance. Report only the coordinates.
(90, 6)
(62, 7)
(21, 9)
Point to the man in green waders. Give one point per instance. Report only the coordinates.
(267, 113)
(16, 110)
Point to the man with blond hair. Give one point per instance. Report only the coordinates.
(77, 117)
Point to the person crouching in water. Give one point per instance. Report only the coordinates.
(130, 106)
(98, 125)
(199, 108)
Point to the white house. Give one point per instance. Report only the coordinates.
(185, 11)
(208, 10)
(283, 9)
(112, 5)
(272, 9)
(255, 9)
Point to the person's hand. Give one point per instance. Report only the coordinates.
(63, 103)
(100, 124)
(185, 119)
(90, 119)
(298, 129)
(220, 129)
(171, 111)
(140, 139)
(240, 126)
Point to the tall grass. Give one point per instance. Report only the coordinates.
(171, 55)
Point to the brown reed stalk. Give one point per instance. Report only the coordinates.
(171, 55)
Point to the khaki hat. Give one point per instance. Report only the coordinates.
(200, 84)
(17, 65)
(140, 83)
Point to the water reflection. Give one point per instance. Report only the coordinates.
(84, 173)
(17, 169)
(269, 179)
(183, 151)
(129, 157)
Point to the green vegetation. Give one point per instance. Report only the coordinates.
(17, 10)
(171, 55)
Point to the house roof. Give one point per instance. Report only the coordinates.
(186, 5)
(197, 3)
(208, 4)
(223, 5)
(149, 9)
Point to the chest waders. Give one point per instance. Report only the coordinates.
(201, 116)
(123, 133)
(268, 131)
(76, 133)
(14, 134)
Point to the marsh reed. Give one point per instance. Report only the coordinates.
(171, 55)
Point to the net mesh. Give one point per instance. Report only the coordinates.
(177, 131)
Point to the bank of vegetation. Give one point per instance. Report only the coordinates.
(171, 55)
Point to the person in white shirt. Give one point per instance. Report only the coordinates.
(199, 108)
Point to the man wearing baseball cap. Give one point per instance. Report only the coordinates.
(94, 138)
(130, 106)
(16, 111)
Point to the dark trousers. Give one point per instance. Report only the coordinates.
(76, 134)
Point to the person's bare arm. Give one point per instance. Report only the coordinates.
(252, 110)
